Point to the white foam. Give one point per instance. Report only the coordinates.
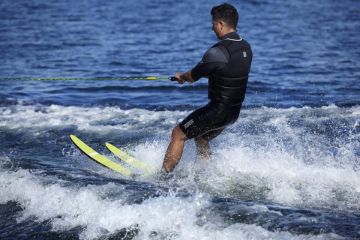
(272, 154)
(94, 119)
(107, 119)
(279, 177)
(162, 217)
(150, 153)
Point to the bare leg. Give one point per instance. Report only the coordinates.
(203, 149)
(175, 149)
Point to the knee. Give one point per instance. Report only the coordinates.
(178, 134)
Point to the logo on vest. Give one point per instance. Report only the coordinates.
(188, 124)
(244, 54)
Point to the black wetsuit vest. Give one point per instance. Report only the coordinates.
(228, 84)
(227, 65)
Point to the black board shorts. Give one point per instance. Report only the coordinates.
(209, 121)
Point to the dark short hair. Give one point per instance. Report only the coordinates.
(227, 13)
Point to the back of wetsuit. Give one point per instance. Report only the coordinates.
(227, 65)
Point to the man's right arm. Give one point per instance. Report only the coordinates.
(214, 59)
(184, 77)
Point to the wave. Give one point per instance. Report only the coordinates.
(67, 207)
(302, 157)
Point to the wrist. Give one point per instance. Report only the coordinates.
(187, 77)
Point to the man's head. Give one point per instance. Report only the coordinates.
(224, 19)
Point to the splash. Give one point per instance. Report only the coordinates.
(164, 217)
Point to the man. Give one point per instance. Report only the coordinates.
(226, 65)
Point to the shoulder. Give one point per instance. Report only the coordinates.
(216, 53)
(246, 42)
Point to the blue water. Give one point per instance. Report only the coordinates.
(289, 168)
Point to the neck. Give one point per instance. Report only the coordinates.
(227, 32)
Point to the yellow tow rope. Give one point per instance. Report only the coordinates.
(150, 78)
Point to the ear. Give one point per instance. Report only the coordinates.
(222, 24)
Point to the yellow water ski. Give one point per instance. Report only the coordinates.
(97, 157)
(128, 159)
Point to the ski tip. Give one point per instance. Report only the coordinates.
(110, 146)
(73, 137)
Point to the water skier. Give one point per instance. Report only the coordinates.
(227, 65)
